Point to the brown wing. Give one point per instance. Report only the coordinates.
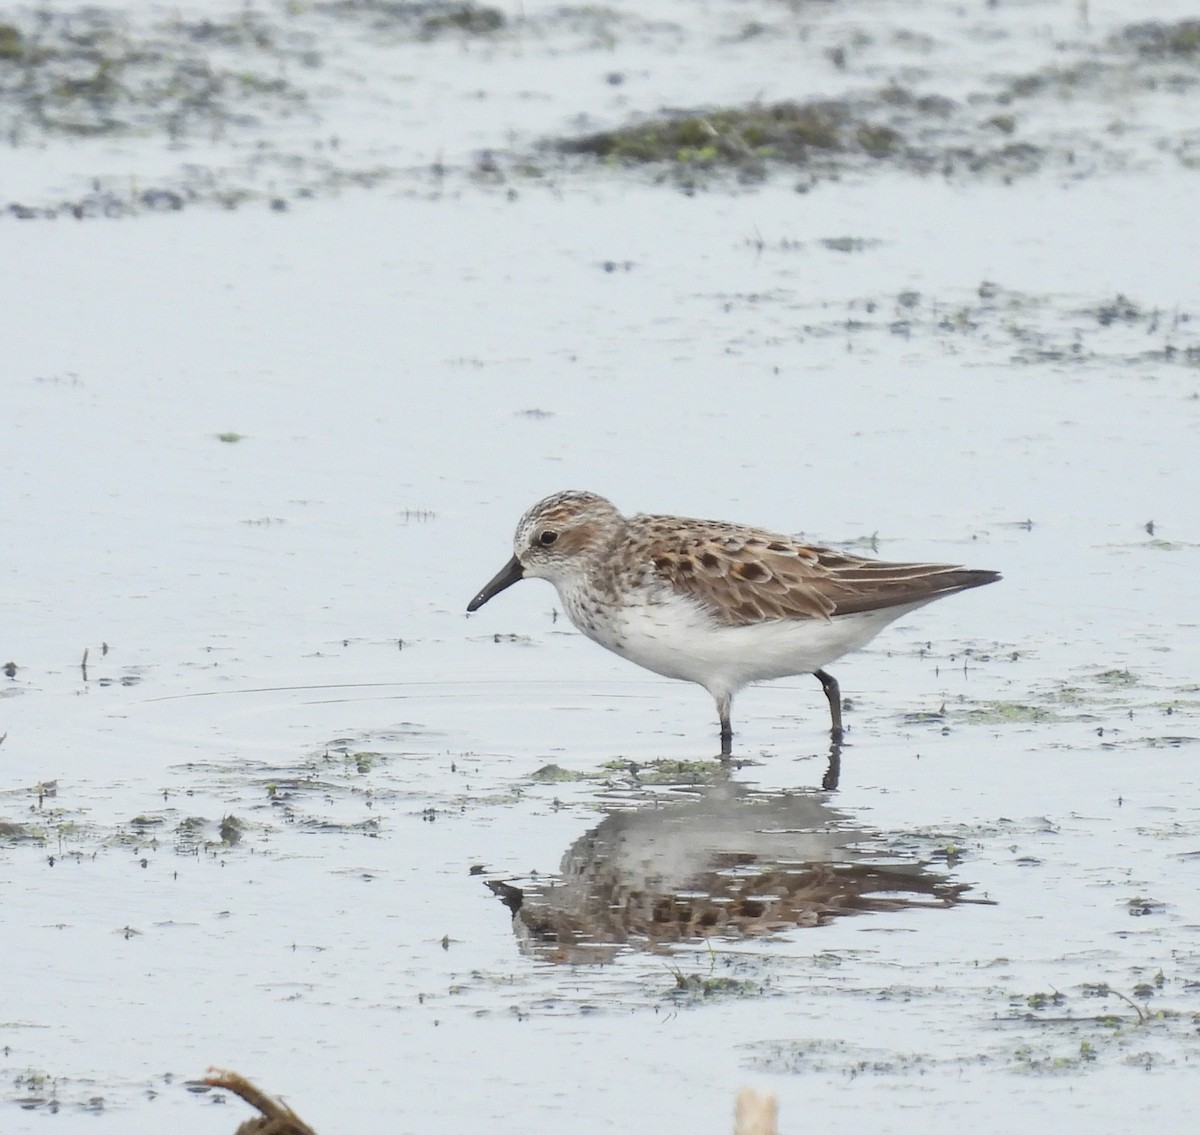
(745, 575)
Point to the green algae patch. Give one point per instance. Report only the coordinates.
(12, 43)
(1163, 41)
(743, 138)
(467, 19)
(665, 771)
(695, 988)
(11, 832)
(421, 21)
(1116, 679)
(1010, 713)
(1004, 132)
(893, 127)
(556, 774)
(93, 73)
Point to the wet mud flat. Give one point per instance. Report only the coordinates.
(274, 103)
(355, 284)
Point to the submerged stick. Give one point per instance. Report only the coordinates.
(277, 1118)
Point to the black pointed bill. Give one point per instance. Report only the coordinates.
(509, 574)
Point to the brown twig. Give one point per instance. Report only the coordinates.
(277, 1118)
(1110, 992)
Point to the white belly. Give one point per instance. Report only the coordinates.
(678, 640)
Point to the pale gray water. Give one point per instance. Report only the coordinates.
(379, 353)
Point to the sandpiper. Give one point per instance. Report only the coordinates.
(719, 604)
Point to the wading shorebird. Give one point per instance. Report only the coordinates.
(719, 604)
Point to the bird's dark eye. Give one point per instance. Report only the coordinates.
(547, 538)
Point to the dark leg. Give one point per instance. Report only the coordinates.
(834, 695)
(726, 728)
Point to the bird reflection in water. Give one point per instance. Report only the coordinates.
(726, 863)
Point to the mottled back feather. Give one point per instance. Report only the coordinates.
(746, 575)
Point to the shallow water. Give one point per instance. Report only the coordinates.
(397, 375)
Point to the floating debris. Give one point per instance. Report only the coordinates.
(276, 1118)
